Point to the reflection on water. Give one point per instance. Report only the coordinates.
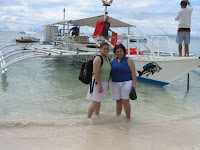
(4, 82)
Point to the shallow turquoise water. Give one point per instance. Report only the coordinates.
(47, 92)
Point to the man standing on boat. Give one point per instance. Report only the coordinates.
(106, 28)
(75, 31)
(184, 23)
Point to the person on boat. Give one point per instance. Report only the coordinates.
(106, 27)
(75, 31)
(102, 77)
(123, 80)
(184, 23)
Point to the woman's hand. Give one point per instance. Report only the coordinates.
(134, 86)
(100, 89)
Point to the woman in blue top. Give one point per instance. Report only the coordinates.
(123, 79)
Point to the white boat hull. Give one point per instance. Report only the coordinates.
(163, 70)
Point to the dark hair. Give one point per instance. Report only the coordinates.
(120, 46)
(183, 3)
(103, 43)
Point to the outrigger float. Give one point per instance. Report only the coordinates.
(152, 66)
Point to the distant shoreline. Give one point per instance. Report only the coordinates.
(171, 36)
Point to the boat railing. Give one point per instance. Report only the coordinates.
(159, 40)
(60, 39)
(138, 44)
(75, 39)
(99, 39)
(151, 44)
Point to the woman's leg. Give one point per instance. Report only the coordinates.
(97, 109)
(118, 107)
(92, 108)
(127, 108)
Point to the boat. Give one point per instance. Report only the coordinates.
(26, 38)
(152, 65)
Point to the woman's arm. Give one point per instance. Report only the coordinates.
(96, 68)
(111, 60)
(133, 74)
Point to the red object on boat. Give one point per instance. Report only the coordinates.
(114, 38)
(98, 31)
(133, 51)
(99, 28)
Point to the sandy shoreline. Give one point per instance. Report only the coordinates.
(174, 135)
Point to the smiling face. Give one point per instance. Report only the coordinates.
(104, 50)
(119, 53)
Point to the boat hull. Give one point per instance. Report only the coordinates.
(26, 41)
(162, 71)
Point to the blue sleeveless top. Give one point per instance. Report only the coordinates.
(121, 71)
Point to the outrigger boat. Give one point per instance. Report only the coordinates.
(152, 66)
(26, 38)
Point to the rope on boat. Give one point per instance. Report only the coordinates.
(67, 14)
(151, 22)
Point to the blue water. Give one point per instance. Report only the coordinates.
(47, 92)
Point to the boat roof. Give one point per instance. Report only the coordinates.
(91, 21)
(22, 32)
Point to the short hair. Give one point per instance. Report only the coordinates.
(183, 3)
(120, 46)
(103, 43)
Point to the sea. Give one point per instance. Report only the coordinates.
(43, 106)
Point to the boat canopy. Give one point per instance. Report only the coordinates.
(22, 32)
(91, 22)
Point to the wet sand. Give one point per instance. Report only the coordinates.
(181, 134)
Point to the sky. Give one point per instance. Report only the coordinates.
(152, 17)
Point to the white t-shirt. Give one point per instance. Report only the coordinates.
(184, 17)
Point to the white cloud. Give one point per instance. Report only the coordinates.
(50, 1)
(148, 15)
(8, 18)
(143, 3)
(16, 9)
